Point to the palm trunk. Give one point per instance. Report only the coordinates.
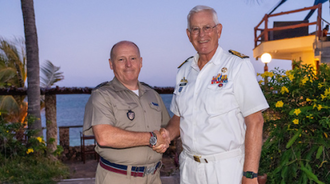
(51, 124)
(33, 72)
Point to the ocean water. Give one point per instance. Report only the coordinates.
(71, 109)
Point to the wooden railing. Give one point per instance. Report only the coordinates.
(263, 36)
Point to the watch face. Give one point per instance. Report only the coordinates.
(248, 175)
(153, 141)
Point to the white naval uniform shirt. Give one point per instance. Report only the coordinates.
(211, 115)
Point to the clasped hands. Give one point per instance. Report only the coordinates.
(163, 140)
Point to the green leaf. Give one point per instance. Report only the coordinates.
(319, 152)
(293, 139)
(311, 175)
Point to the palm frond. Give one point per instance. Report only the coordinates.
(9, 104)
(6, 76)
(50, 74)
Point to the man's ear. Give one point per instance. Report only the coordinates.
(110, 63)
(219, 30)
(188, 34)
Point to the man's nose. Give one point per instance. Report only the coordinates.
(201, 32)
(128, 63)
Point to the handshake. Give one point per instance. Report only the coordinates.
(163, 140)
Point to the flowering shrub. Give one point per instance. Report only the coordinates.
(297, 125)
(15, 140)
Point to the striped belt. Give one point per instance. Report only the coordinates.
(135, 171)
(211, 158)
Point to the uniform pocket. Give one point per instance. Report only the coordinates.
(220, 100)
(126, 115)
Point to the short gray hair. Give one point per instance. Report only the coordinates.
(200, 8)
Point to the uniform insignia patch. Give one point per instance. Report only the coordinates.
(183, 83)
(130, 115)
(224, 70)
(185, 61)
(100, 85)
(238, 54)
(219, 79)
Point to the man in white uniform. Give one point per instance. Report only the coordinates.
(217, 106)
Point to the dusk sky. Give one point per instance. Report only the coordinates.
(77, 35)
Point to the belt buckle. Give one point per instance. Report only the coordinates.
(197, 158)
(149, 170)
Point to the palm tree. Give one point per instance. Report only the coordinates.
(51, 75)
(12, 74)
(32, 53)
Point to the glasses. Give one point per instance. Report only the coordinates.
(206, 29)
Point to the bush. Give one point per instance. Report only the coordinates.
(24, 157)
(297, 126)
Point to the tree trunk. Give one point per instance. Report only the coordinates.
(32, 64)
(51, 123)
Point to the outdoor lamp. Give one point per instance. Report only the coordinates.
(266, 58)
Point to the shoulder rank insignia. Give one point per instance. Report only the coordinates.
(100, 85)
(238, 54)
(185, 61)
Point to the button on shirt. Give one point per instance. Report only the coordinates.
(213, 102)
(115, 105)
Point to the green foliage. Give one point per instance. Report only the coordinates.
(297, 125)
(31, 170)
(24, 157)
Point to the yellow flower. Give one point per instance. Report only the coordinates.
(291, 77)
(304, 80)
(288, 72)
(327, 92)
(261, 81)
(279, 104)
(258, 74)
(319, 107)
(284, 90)
(310, 116)
(297, 111)
(308, 100)
(30, 150)
(320, 85)
(296, 121)
(40, 139)
(322, 96)
(325, 135)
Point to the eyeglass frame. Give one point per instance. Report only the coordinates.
(203, 28)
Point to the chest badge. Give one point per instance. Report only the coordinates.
(183, 83)
(224, 70)
(220, 79)
(130, 115)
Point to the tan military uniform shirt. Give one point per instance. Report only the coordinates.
(115, 105)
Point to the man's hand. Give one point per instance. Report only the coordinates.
(163, 140)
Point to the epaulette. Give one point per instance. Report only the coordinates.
(185, 61)
(145, 84)
(238, 54)
(100, 85)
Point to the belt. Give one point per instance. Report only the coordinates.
(135, 170)
(210, 158)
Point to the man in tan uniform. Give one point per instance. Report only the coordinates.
(124, 116)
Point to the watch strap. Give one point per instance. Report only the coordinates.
(250, 174)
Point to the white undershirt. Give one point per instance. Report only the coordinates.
(136, 92)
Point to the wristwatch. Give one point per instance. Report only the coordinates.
(250, 174)
(153, 139)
